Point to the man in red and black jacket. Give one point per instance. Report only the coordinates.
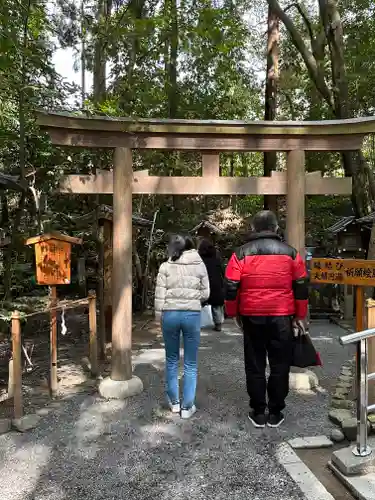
(266, 289)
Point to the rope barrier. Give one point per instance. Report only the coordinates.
(18, 347)
(64, 304)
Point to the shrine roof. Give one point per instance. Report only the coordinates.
(370, 218)
(12, 182)
(209, 225)
(222, 221)
(341, 224)
(105, 212)
(53, 235)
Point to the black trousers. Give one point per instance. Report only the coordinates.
(272, 336)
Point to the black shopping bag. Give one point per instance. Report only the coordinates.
(304, 353)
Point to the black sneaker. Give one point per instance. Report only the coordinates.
(275, 420)
(258, 420)
(217, 328)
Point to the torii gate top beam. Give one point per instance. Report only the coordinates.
(67, 129)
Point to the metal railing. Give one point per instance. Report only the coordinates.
(362, 449)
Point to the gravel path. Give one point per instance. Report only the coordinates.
(99, 450)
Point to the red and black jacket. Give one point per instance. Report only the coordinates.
(266, 277)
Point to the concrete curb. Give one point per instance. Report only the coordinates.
(345, 325)
(310, 443)
(310, 486)
(362, 487)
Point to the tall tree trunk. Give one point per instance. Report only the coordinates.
(170, 65)
(363, 195)
(136, 8)
(99, 76)
(272, 76)
(354, 163)
(172, 70)
(99, 94)
(12, 248)
(83, 55)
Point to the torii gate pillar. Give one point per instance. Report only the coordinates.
(122, 384)
(295, 200)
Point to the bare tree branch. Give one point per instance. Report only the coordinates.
(319, 41)
(333, 29)
(289, 102)
(304, 17)
(311, 63)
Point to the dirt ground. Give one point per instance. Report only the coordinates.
(88, 447)
(73, 350)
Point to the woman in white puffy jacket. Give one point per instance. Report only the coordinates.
(182, 286)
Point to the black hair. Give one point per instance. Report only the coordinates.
(207, 249)
(265, 220)
(178, 244)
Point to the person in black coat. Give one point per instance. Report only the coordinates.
(210, 257)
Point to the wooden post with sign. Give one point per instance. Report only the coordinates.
(358, 273)
(53, 257)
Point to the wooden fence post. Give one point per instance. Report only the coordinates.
(53, 343)
(348, 302)
(17, 365)
(359, 309)
(93, 335)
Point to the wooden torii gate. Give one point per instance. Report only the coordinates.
(211, 138)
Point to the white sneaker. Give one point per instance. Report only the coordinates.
(174, 407)
(188, 413)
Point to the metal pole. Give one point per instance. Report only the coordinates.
(362, 449)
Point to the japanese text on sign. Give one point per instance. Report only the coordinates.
(345, 271)
(53, 262)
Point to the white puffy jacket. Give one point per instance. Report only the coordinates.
(182, 285)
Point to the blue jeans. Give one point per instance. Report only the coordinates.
(189, 323)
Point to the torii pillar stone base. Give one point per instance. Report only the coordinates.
(120, 389)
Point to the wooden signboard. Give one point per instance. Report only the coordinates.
(343, 271)
(52, 256)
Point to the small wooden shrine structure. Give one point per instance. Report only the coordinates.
(210, 138)
(205, 229)
(103, 214)
(350, 238)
